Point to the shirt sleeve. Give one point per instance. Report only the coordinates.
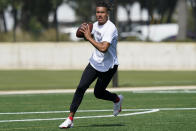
(109, 35)
(93, 30)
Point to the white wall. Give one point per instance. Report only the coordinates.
(44, 56)
(153, 56)
(132, 56)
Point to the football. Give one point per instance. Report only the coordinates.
(79, 34)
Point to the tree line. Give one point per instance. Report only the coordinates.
(32, 15)
(29, 14)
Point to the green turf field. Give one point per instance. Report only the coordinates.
(163, 120)
(64, 79)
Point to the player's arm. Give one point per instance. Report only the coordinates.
(103, 46)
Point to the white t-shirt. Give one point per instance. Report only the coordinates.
(107, 32)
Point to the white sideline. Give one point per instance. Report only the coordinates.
(120, 89)
(140, 111)
(83, 117)
(106, 110)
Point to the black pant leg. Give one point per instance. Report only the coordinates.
(103, 80)
(88, 76)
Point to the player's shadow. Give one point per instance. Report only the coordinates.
(104, 125)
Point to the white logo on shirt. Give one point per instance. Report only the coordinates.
(98, 36)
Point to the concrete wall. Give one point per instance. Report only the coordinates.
(153, 56)
(132, 56)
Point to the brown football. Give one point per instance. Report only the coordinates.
(79, 33)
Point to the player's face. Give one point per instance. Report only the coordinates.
(101, 15)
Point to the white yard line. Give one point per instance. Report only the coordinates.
(120, 89)
(128, 113)
(84, 117)
(168, 91)
(84, 111)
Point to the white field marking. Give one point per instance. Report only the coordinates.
(121, 89)
(127, 114)
(167, 91)
(55, 112)
(82, 117)
(107, 110)
(49, 112)
(176, 109)
(143, 111)
(163, 82)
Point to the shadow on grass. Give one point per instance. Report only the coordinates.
(104, 125)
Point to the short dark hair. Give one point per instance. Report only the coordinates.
(101, 3)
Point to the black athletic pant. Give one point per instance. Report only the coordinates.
(88, 76)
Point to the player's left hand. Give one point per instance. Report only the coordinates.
(86, 30)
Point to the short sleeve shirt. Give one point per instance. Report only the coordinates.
(104, 61)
